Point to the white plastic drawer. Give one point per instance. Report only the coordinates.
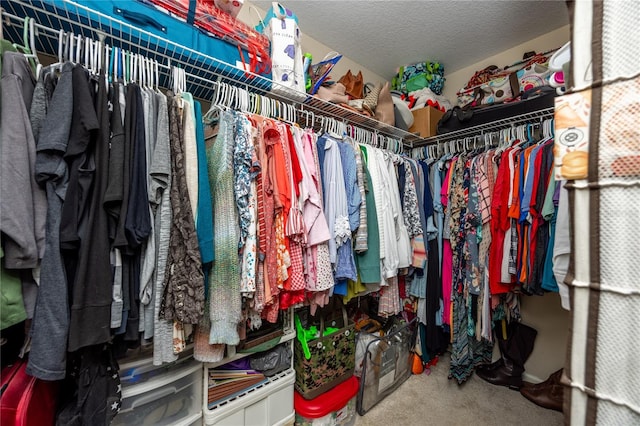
(169, 399)
(141, 370)
(268, 404)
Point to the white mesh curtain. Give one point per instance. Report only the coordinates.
(603, 361)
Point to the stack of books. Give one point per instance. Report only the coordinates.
(226, 384)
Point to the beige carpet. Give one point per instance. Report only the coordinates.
(434, 399)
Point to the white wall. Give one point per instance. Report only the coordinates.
(317, 49)
(457, 80)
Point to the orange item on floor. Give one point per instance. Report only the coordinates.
(417, 367)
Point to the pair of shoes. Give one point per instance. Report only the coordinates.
(514, 351)
(548, 394)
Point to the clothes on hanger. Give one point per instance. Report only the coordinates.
(156, 236)
(494, 210)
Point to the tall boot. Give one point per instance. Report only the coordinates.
(518, 347)
(502, 346)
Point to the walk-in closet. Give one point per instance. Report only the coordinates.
(319, 213)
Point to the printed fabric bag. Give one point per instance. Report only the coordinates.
(418, 76)
(493, 85)
(502, 87)
(281, 27)
(328, 360)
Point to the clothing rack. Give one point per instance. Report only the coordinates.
(234, 97)
(486, 127)
(479, 131)
(201, 70)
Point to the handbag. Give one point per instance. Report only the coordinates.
(384, 108)
(25, 399)
(354, 84)
(327, 360)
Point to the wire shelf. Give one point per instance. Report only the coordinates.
(541, 114)
(51, 16)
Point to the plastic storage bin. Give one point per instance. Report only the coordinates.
(269, 404)
(174, 398)
(387, 364)
(140, 370)
(335, 407)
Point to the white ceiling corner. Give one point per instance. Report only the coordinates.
(382, 35)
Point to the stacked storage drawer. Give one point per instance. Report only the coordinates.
(268, 404)
(160, 395)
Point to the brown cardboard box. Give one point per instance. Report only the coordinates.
(425, 121)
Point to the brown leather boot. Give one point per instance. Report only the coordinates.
(548, 394)
(552, 379)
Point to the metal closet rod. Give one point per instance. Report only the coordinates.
(230, 96)
(488, 127)
(202, 69)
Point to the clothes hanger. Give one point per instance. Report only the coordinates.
(146, 75)
(124, 57)
(246, 100)
(68, 46)
(215, 94)
(26, 48)
(183, 73)
(225, 95)
(139, 67)
(112, 67)
(241, 100)
(32, 47)
(79, 46)
(133, 74)
(154, 75)
(150, 75)
(213, 114)
(89, 63)
(144, 72)
(97, 55)
(255, 103)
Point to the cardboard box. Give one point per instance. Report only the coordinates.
(425, 121)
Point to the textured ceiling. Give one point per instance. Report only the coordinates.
(382, 35)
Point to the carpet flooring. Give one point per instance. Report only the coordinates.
(434, 399)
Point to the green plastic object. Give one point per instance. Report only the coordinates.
(303, 335)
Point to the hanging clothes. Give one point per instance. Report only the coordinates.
(91, 305)
(50, 328)
(224, 282)
(184, 282)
